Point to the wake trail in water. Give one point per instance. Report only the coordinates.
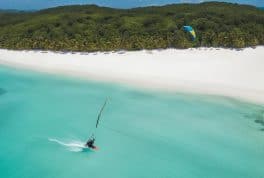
(75, 146)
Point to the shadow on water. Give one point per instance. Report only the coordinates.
(258, 117)
(260, 121)
(2, 91)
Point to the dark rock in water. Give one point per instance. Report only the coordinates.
(2, 91)
(259, 121)
(258, 117)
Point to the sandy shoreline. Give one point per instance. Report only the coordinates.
(224, 72)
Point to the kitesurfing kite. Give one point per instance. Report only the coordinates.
(191, 31)
(90, 142)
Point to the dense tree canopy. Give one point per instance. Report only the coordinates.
(92, 28)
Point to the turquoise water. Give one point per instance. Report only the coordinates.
(45, 120)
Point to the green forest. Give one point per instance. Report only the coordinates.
(94, 28)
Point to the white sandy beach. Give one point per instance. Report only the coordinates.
(225, 72)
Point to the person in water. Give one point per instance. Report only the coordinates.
(90, 142)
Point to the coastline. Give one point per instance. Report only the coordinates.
(222, 72)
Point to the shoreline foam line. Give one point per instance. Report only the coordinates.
(223, 72)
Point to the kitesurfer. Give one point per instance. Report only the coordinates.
(90, 142)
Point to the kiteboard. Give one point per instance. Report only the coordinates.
(94, 148)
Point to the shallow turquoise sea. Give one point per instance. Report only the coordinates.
(45, 119)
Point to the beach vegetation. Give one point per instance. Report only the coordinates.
(94, 28)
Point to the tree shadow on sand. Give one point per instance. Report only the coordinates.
(2, 91)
